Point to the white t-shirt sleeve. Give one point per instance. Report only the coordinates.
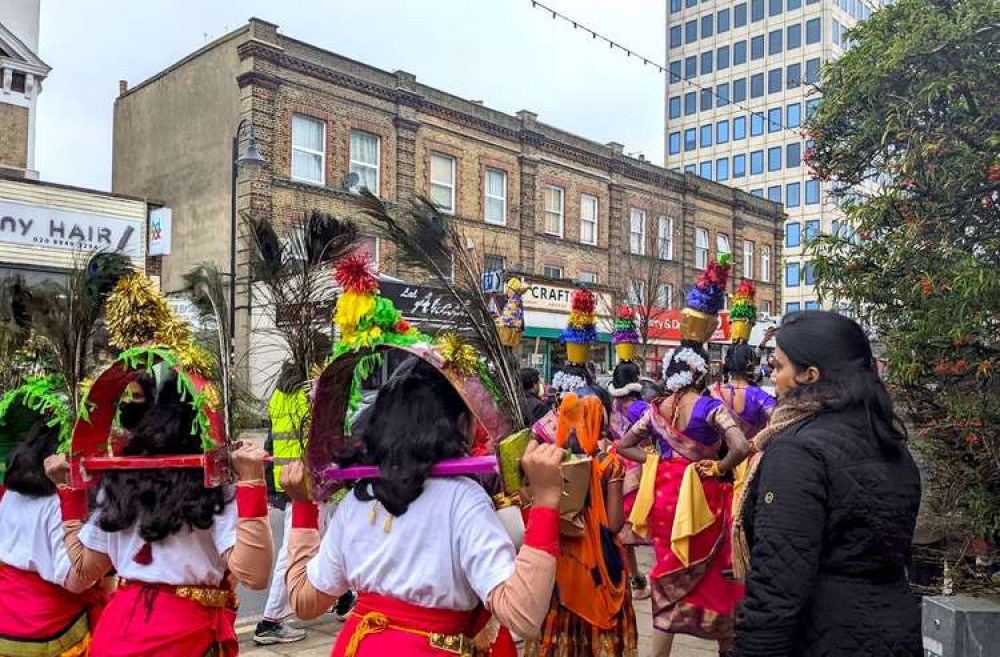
(57, 539)
(326, 571)
(93, 537)
(224, 527)
(485, 551)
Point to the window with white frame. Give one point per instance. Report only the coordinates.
(493, 263)
(552, 271)
(588, 219)
(554, 210)
(766, 307)
(664, 295)
(365, 157)
(308, 149)
(748, 257)
(637, 232)
(722, 244)
(636, 292)
(496, 197)
(443, 182)
(700, 248)
(588, 277)
(765, 264)
(665, 238)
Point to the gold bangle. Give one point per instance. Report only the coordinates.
(251, 482)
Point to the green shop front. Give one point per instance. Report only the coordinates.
(546, 311)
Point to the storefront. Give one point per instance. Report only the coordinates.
(664, 334)
(546, 311)
(47, 229)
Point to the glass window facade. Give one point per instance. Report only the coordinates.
(756, 163)
(812, 192)
(756, 124)
(739, 90)
(722, 94)
(690, 139)
(722, 169)
(774, 158)
(794, 39)
(757, 47)
(757, 85)
(722, 132)
(690, 103)
(722, 58)
(793, 195)
(793, 234)
(774, 119)
(739, 166)
(739, 53)
(775, 42)
(706, 136)
(814, 30)
(774, 80)
(675, 142)
(740, 15)
(793, 115)
(739, 127)
(793, 155)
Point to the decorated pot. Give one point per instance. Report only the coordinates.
(577, 353)
(740, 330)
(626, 350)
(696, 325)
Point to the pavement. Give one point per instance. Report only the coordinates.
(323, 632)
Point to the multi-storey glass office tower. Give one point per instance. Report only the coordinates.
(740, 84)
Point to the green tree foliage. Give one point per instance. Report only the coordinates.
(909, 131)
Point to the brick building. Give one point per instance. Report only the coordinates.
(531, 198)
(21, 75)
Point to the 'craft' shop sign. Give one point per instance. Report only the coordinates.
(58, 228)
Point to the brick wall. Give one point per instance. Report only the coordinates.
(14, 144)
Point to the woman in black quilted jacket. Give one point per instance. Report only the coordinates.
(828, 516)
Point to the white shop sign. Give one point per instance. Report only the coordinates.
(58, 228)
(160, 224)
(553, 298)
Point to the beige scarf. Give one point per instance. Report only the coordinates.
(785, 415)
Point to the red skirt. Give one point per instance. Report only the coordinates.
(381, 626)
(699, 598)
(35, 611)
(148, 620)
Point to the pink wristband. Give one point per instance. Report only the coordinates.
(251, 501)
(542, 532)
(305, 515)
(74, 503)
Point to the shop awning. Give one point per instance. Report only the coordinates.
(553, 334)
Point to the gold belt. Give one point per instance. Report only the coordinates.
(375, 623)
(206, 596)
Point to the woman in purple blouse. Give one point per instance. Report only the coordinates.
(627, 408)
(750, 405)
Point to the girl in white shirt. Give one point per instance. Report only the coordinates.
(177, 546)
(426, 554)
(36, 612)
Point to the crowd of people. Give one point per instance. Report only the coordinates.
(779, 526)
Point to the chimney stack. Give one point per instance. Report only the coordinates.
(122, 87)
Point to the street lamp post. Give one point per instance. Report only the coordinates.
(252, 162)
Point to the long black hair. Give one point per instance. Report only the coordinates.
(160, 502)
(414, 423)
(840, 350)
(741, 359)
(26, 464)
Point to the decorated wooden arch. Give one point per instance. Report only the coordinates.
(340, 380)
(91, 451)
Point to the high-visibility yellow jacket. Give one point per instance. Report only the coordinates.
(289, 413)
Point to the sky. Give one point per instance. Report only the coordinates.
(502, 52)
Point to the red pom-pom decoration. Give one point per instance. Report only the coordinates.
(626, 312)
(354, 274)
(584, 301)
(402, 326)
(747, 289)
